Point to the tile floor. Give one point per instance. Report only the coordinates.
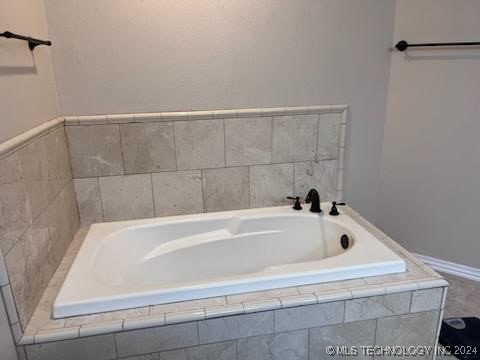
(463, 297)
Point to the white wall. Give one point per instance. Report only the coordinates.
(115, 56)
(430, 198)
(27, 87)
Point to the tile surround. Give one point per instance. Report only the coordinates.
(283, 346)
(217, 309)
(148, 147)
(162, 342)
(271, 184)
(199, 144)
(126, 197)
(87, 191)
(298, 147)
(248, 141)
(177, 192)
(294, 138)
(360, 333)
(39, 217)
(226, 188)
(95, 150)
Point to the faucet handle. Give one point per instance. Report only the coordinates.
(334, 210)
(297, 205)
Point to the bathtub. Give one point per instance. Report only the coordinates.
(129, 264)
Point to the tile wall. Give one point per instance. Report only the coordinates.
(303, 332)
(130, 166)
(38, 218)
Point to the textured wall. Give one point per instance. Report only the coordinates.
(27, 87)
(429, 198)
(115, 56)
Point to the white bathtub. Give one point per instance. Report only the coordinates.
(143, 262)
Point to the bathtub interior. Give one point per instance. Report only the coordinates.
(205, 249)
(122, 265)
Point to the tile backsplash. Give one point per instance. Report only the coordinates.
(146, 165)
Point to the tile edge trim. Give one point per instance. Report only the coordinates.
(203, 114)
(13, 144)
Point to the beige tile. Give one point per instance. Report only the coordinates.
(188, 305)
(58, 162)
(100, 329)
(233, 327)
(303, 317)
(144, 322)
(34, 162)
(63, 221)
(349, 335)
(4, 280)
(100, 347)
(294, 138)
(408, 330)
(178, 192)
(148, 147)
(154, 356)
(87, 191)
(424, 300)
(184, 316)
(199, 144)
(333, 285)
(224, 310)
(95, 150)
(9, 302)
(226, 189)
(90, 348)
(126, 197)
(261, 295)
(333, 295)
(220, 351)
(248, 141)
(161, 338)
(270, 185)
(319, 175)
(16, 215)
(298, 300)
(377, 306)
(262, 305)
(106, 317)
(328, 136)
(286, 346)
(31, 268)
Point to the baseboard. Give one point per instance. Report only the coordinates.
(452, 268)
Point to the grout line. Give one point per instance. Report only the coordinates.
(153, 196)
(272, 119)
(224, 144)
(249, 188)
(101, 198)
(203, 192)
(38, 216)
(174, 146)
(207, 168)
(121, 148)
